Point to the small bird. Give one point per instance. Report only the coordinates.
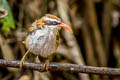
(42, 38)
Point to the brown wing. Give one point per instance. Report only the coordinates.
(57, 39)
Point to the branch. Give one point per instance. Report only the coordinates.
(73, 68)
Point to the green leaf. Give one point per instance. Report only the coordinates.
(8, 21)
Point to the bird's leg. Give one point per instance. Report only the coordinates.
(23, 59)
(45, 62)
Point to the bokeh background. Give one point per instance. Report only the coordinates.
(95, 41)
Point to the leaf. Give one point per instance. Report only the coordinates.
(8, 21)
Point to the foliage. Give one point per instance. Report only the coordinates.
(8, 21)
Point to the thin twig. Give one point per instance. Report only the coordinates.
(73, 68)
(107, 23)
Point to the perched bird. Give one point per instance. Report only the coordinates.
(42, 37)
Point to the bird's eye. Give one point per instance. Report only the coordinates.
(52, 23)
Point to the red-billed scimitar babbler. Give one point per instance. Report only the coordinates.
(42, 37)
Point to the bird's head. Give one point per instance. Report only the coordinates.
(50, 21)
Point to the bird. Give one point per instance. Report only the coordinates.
(42, 38)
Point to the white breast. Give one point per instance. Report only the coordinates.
(42, 42)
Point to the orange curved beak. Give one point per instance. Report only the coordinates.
(65, 26)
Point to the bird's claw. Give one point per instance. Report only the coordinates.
(46, 65)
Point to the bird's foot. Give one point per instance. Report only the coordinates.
(46, 65)
(23, 59)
